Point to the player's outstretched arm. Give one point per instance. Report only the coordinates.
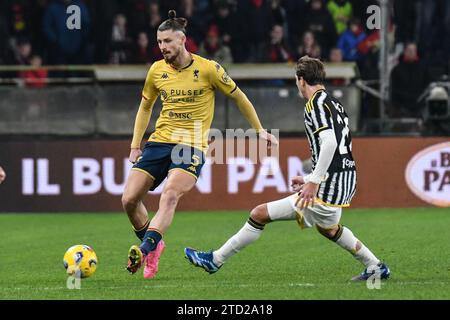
(249, 112)
(140, 125)
(312, 181)
(221, 80)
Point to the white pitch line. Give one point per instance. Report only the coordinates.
(165, 286)
(162, 286)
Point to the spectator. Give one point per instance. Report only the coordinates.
(19, 18)
(408, 79)
(336, 56)
(2, 175)
(405, 18)
(102, 14)
(4, 36)
(167, 5)
(198, 21)
(369, 52)
(213, 49)
(427, 12)
(141, 52)
(348, 41)
(319, 21)
(120, 41)
(277, 50)
(154, 20)
(309, 46)
(43, 22)
(35, 78)
(136, 14)
(22, 52)
(253, 13)
(191, 45)
(278, 14)
(341, 11)
(37, 37)
(66, 46)
(434, 33)
(229, 29)
(295, 11)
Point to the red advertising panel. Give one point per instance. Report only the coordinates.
(89, 175)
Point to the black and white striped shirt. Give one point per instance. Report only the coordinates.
(323, 112)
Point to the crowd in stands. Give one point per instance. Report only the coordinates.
(34, 32)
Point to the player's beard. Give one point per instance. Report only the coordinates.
(171, 59)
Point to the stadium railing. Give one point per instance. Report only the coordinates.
(103, 99)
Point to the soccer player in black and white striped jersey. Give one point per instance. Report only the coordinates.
(321, 195)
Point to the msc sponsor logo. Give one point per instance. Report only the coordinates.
(428, 174)
(180, 115)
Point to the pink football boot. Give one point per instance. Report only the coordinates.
(152, 259)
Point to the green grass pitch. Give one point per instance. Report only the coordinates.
(285, 263)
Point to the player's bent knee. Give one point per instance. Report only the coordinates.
(170, 197)
(330, 233)
(260, 214)
(129, 203)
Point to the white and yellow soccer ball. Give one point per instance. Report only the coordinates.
(80, 260)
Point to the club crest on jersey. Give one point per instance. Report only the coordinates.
(196, 72)
(163, 95)
(225, 77)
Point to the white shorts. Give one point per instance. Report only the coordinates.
(322, 215)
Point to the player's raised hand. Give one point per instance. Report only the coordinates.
(307, 195)
(135, 153)
(270, 138)
(296, 183)
(2, 175)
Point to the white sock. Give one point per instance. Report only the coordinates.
(248, 234)
(350, 243)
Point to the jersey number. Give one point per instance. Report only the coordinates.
(343, 148)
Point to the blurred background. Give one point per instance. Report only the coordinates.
(386, 61)
(415, 57)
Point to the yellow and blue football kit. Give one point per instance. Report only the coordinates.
(187, 96)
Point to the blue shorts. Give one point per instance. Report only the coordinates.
(159, 158)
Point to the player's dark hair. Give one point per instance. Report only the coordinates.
(312, 70)
(173, 23)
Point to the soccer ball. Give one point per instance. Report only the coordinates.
(80, 260)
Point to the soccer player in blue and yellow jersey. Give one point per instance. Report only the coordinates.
(186, 84)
